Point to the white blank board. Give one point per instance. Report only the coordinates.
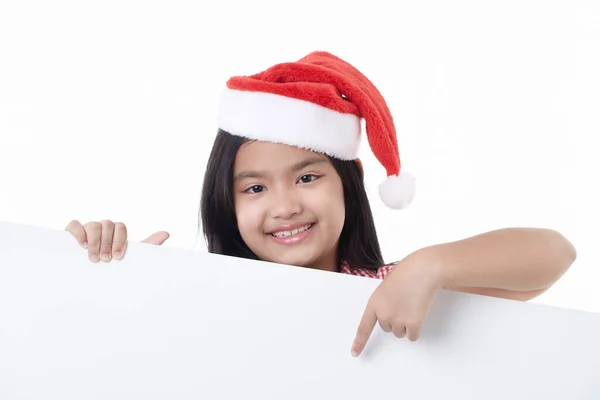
(167, 323)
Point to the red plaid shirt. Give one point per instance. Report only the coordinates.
(380, 273)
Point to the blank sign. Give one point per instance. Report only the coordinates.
(166, 323)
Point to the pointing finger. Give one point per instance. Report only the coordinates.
(365, 328)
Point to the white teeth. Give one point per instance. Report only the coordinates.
(292, 232)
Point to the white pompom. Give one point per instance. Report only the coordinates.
(398, 191)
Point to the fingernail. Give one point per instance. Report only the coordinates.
(84, 245)
(94, 257)
(105, 257)
(118, 254)
(354, 353)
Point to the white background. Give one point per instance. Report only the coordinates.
(107, 110)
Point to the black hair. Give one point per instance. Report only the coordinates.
(358, 244)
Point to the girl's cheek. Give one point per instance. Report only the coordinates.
(327, 197)
(248, 213)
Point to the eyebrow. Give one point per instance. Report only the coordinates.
(293, 168)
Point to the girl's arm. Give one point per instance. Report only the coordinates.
(513, 263)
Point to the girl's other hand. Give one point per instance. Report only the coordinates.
(105, 239)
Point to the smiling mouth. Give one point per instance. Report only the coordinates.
(282, 234)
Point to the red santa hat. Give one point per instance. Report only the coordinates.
(317, 103)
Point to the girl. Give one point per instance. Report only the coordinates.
(283, 184)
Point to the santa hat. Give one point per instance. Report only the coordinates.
(317, 103)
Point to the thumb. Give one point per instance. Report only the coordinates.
(157, 238)
(365, 328)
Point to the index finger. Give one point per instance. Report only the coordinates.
(365, 328)
(76, 229)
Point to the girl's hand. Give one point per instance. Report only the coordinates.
(402, 301)
(106, 239)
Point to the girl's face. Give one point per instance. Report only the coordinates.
(289, 204)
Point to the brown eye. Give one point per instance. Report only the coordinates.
(254, 189)
(307, 178)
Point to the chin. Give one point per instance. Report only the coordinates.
(295, 261)
(298, 260)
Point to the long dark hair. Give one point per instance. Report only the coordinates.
(358, 243)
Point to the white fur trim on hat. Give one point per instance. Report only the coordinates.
(398, 191)
(281, 119)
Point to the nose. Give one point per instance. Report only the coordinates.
(285, 203)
